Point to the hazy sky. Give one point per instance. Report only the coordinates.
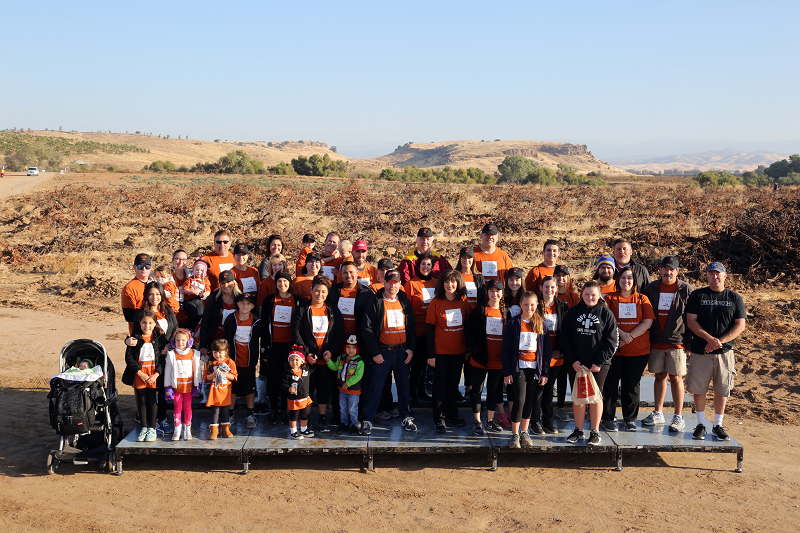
(369, 75)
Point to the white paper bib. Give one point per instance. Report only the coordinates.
(282, 314)
(453, 317)
(494, 326)
(347, 306)
(394, 318)
(489, 269)
(249, 285)
(665, 301)
(627, 311)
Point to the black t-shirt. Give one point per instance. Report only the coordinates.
(716, 313)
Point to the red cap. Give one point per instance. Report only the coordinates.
(360, 245)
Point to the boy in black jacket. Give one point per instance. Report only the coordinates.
(239, 331)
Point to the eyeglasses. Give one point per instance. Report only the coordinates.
(142, 267)
(222, 242)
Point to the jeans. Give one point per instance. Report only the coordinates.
(348, 406)
(393, 361)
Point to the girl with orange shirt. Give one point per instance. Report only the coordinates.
(634, 315)
(301, 287)
(276, 342)
(277, 263)
(220, 371)
(182, 376)
(553, 311)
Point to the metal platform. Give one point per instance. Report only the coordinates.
(389, 438)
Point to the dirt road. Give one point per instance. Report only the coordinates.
(19, 182)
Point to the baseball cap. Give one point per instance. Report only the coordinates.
(670, 261)
(425, 232)
(249, 296)
(142, 259)
(360, 245)
(313, 257)
(309, 237)
(494, 284)
(561, 269)
(716, 265)
(226, 275)
(385, 263)
(466, 250)
(391, 275)
(489, 228)
(241, 248)
(515, 271)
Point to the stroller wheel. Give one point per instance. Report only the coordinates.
(52, 463)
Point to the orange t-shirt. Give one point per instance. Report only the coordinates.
(147, 360)
(199, 284)
(629, 312)
(218, 264)
(366, 276)
(319, 325)
(569, 297)
(494, 340)
(665, 302)
(173, 296)
(265, 288)
(551, 323)
(393, 330)
(184, 371)
(227, 309)
(301, 288)
(472, 288)
(347, 305)
(219, 394)
(527, 342)
(133, 297)
(301, 261)
(494, 265)
(533, 281)
(282, 311)
(449, 318)
(248, 279)
(608, 289)
(244, 332)
(331, 268)
(420, 292)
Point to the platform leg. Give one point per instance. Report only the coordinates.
(493, 459)
(368, 459)
(619, 462)
(739, 460)
(118, 469)
(245, 464)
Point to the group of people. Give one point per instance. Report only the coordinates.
(223, 328)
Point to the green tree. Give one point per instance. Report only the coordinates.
(514, 169)
(715, 178)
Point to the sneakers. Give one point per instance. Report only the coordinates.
(441, 427)
(719, 433)
(151, 435)
(308, 432)
(408, 424)
(296, 435)
(251, 422)
(677, 424)
(525, 439)
(493, 426)
(458, 421)
(395, 413)
(608, 425)
(594, 438)
(384, 415)
(561, 414)
(477, 429)
(187, 432)
(550, 430)
(176, 435)
(323, 425)
(504, 420)
(513, 442)
(653, 418)
(536, 429)
(166, 427)
(630, 425)
(366, 428)
(699, 432)
(575, 436)
(142, 435)
(272, 417)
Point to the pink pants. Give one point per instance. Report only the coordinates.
(183, 402)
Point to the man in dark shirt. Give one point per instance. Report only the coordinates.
(716, 316)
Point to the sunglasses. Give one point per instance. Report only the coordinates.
(222, 242)
(142, 267)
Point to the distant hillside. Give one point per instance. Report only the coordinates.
(487, 155)
(730, 159)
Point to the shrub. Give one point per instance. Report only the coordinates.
(160, 166)
(716, 178)
(282, 169)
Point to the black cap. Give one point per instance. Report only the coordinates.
(142, 259)
(249, 296)
(494, 284)
(716, 265)
(670, 261)
(489, 228)
(314, 256)
(241, 248)
(425, 232)
(466, 250)
(561, 269)
(309, 237)
(225, 276)
(284, 274)
(390, 275)
(385, 263)
(515, 271)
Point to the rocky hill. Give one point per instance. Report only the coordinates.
(730, 159)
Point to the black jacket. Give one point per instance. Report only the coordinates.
(480, 285)
(132, 365)
(212, 316)
(475, 334)
(266, 321)
(675, 330)
(363, 296)
(510, 353)
(172, 325)
(589, 335)
(641, 277)
(303, 332)
(255, 339)
(561, 313)
(373, 322)
(289, 378)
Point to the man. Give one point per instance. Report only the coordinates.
(384, 266)
(669, 337)
(533, 281)
(221, 259)
(331, 259)
(604, 274)
(133, 292)
(490, 260)
(408, 265)
(716, 316)
(388, 333)
(367, 274)
(622, 258)
(351, 298)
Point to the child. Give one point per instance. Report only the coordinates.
(163, 275)
(296, 383)
(196, 288)
(349, 369)
(308, 246)
(239, 332)
(182, 377)
(346, 250)
(247, 277)
(85, 364)
(144, 363)
(220, 371)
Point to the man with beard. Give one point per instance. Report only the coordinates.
(604, 274)
(622, 258)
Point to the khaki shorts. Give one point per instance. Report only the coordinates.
(705, 367)
(673, 362)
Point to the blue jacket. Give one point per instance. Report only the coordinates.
(510, 352)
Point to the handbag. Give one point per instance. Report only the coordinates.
(585, 390)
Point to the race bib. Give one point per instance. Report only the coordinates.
(494, 326)
(489, 269)
(146, 354)
(183, 368)
(394, 318)
(347, 306)
(472, 289)
(249, 285)
(527, 341)
(427, 294)
(515, 310)
(453, 317)
(665, 301)
(551, 321)
(319, 324)
(225, 266)
(627, 311)
(198, 285)
(168, 295)
(243, 334)
(365, 281)
(282, 314)
(163, 323)
(226, 313)
(328, 272)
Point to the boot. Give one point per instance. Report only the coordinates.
(214, 431)
(176, 434)
(225, 430)
(187, 432)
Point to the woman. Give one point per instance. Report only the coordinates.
(220, 304)
(589, 339)
(513, 290)
(565, 377)
(277, 263)
(302, 285)
(485, 342)
(447, 349)
(634, 315)
(526, 355)
(564, 281)
(553, 311)
(274, 246)
(276, 342)
(420, 290)
(318, 327)
(476, 290)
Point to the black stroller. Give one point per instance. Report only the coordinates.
(83, 408)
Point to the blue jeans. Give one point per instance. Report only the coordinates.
(393, 361)
(348, 405)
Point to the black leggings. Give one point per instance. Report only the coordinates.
(320, 381)
(446, 375)
(419, 364)
(146, 404)
(567, 374)
(303, 413)
(545, 410)
(273, 369)
(493, 379)
(220, 414)
(527, 392)
(194, 312)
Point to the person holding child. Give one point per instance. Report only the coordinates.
(182, 377)
(220, 372)
(349, 370)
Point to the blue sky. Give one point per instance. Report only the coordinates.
(367, 76)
